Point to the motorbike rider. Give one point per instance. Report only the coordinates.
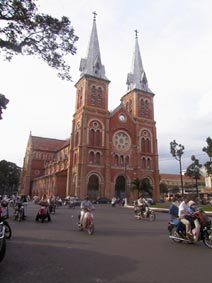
(143, 205)
(44, 202)
(24, 203)
(184, 215)
(174, 209)
(19, 205)
(113, 201)
(194, 221)
(85, 204)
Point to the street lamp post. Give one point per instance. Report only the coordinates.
(126, 161)
(177, 151)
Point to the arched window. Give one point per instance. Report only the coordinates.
(121, 160)
(146, 142)
(98, 138)
(97, 158)
(142, 108)
(116, 160)
(147, 109)
(143, 145)
(91, 137)
(148, 145)
(95, 133)
(93, 95)
(99, 96)
(143, 163)
(91, 157)
(148, 163)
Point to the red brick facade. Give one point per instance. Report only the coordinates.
(106, 151)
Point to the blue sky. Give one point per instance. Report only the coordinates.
(175, 39)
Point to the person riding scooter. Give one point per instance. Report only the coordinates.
(85, 204)
(185, 215)
(43, 212)
(174, 209)
(143, 205)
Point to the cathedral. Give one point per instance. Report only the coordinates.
(106, 149)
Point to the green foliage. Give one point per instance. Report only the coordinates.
(208, 150)
(142, 186)
(163, 188)
(193, 170)
(3, 102)
(25, 31)
(9, 177)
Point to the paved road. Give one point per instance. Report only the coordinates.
(122, 250)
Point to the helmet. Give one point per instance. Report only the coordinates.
(4, 203)
(191, 202)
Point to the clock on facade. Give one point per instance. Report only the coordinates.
(121, 141)
(122, 117)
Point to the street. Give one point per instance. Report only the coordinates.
(122, 250)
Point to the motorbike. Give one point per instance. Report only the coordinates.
(200, 232)
(52, 208)
(19, 212)
(3, 216)
(43, 213)
(142, 212)
(87, 222)
(2, 241)
(113, 202)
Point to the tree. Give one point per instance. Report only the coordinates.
(3, 102)
(142, 186)
(25, 31)
(163, 188)
(177, 151)
(208, 150)
(9, 177)
(193, 171)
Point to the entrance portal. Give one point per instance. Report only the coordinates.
(93, 187)
(120, 186)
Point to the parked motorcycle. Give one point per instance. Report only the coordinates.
(2, 241)
(87, 222)
(43, 213)
(3, 216)
(8, 230)
(200, 232)
(142, 212)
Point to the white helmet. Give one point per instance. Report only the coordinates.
(191, 202)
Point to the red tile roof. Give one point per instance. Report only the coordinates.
(48, 144)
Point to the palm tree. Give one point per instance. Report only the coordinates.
(142, 186)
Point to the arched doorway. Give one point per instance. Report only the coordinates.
(120, 187)
(93, 187)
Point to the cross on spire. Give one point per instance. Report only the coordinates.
(136, 33)
(94, 15)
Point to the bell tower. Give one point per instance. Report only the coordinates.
(90, 124)
(138, 102)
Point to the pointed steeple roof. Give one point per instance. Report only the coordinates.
(137, 79)
(92, 65)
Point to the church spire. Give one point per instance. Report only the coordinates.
(137, 78)
(92, 64)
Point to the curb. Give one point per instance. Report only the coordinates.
(166, 210)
